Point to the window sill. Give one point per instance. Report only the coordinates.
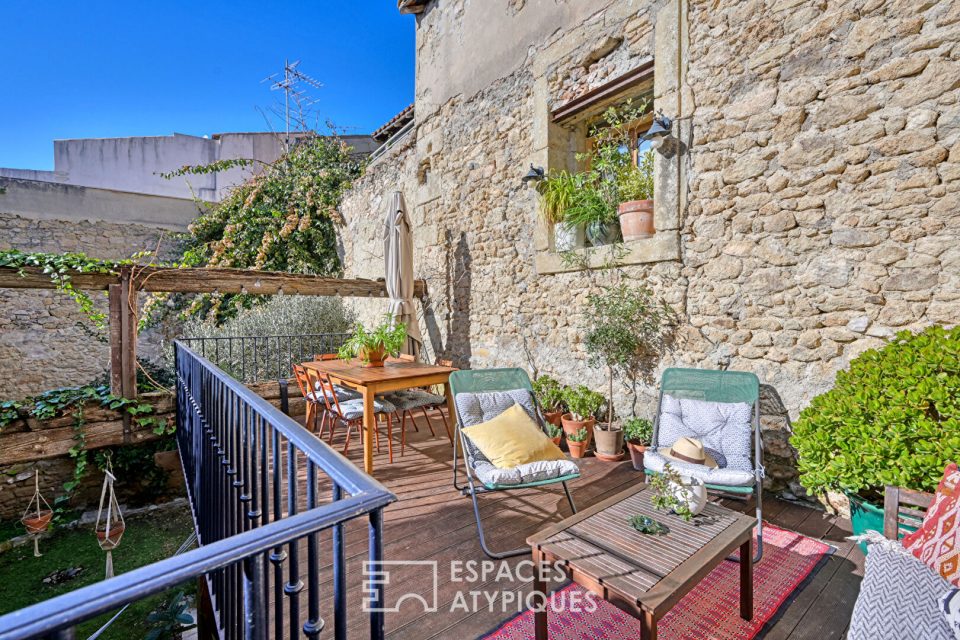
(664, 246)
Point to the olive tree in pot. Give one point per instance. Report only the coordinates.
(583, 405)
(638, 432)
(892, 418)
(549, 393)
(627, 326)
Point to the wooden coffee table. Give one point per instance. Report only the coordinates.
(644, 575)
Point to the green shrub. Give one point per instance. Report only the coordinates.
(549, 393)
(638, 431)
(892, 419)
(582, 402)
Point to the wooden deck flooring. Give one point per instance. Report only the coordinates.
(432, 522)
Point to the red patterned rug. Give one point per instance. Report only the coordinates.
(710, 612)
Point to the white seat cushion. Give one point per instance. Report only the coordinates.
(734, 471)
(538, 471)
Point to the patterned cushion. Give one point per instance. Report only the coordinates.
(353, 409)
(732, 471)
(407, 399)
(950, 606)
(342, 393)
(937, 541)
(899, 597)
(475, 408)
(722, 427)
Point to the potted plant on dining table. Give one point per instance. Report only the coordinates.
(373, 346)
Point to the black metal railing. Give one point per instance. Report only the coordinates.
(260, 358)
(262, 490)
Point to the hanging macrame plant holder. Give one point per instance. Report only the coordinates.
(110, 524)
(36, 519)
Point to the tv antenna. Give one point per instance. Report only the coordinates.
(294, 84)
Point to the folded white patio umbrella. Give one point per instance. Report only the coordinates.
(398, 255)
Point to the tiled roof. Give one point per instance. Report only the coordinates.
(396, 123)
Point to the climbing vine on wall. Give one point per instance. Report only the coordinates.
(60, 266)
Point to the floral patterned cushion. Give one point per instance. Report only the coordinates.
(937, 542)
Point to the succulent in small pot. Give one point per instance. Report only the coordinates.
(608, 440)
(638, 433)
(554, 432)
(583, 405)
(373, 346)
(549, 393)
(578, 442)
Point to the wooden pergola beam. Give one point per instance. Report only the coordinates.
(204, 280)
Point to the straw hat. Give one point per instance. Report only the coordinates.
(689, 450)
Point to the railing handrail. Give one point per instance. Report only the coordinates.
(87, 602)
(330, 461)
(269, 337)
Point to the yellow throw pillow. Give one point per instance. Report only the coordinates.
(512, 439)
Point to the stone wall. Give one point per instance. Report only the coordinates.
(45, 340)
(817, 185)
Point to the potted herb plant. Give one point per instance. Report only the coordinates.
(595, 211)
(583, 404)
(638, 432)
(555, 433)
(549, 393)
(890, 419)
(635, 184)
(558, 190)
(372, 347)
(578, 442)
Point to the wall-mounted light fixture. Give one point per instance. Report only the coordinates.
(536, 174)
(661, 128)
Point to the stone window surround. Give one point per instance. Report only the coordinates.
(556, 146)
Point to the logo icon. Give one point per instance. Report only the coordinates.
(379, 575)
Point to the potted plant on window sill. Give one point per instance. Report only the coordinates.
(635, 184)
(558, 191)
(549, 393)
(583, 404)
(578, 442)
(638, 432)
(373, 347)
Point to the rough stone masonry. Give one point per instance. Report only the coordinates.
(818, 203)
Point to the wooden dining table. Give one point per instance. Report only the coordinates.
(370, 381)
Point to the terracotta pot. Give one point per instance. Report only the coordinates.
(636, 454)
(553, 417)
(116, 532)
(636, 219)
(557, 440)
(606, 458)
(609, 443)
(372, 357)
(38, 522)
(578, 449)
(571, 426)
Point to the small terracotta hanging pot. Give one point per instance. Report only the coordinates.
(37, 522)
(116, 532)
(636, 219)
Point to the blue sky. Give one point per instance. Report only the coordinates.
(121, 68)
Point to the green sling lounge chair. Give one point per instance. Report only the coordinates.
(722, 410)
(480, 395)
